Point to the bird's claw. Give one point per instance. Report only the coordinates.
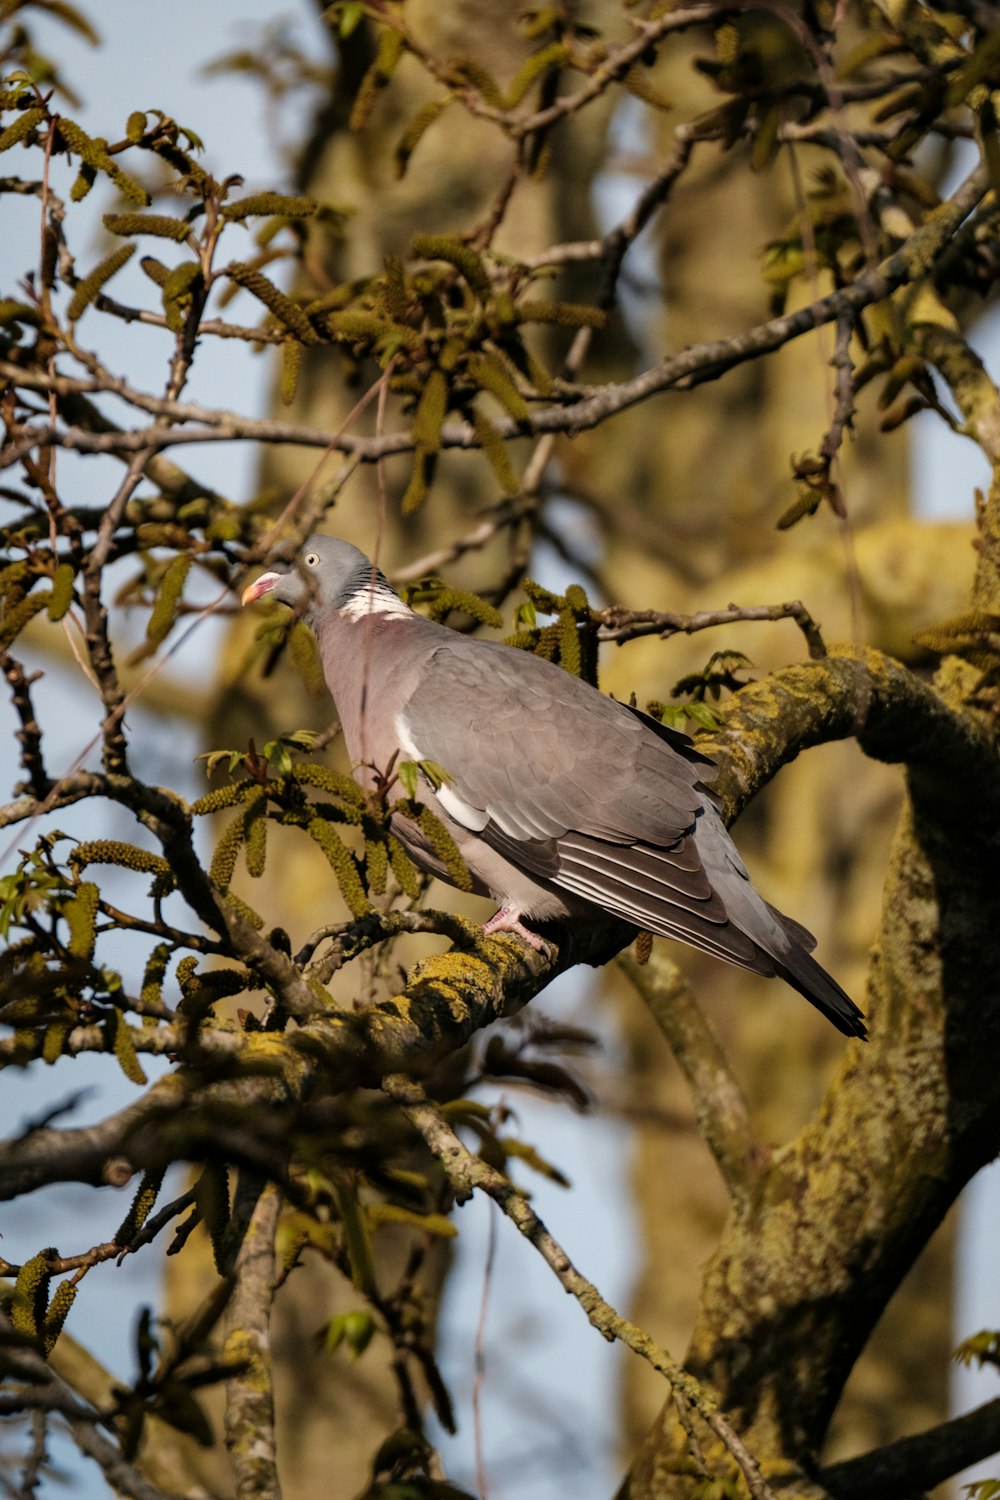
(508, 919)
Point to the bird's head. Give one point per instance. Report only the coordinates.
(326, 575)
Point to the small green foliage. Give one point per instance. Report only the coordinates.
(168, 599)
(227, 851)
(122, 1043)
(21, 128)
(458, 254)
(94, 152)
(256, 831)
(269, 205)
(117, 852)
(407, 875)
(981, 1348)
(387, 56)
(17, 617)
(80, 913)
(343, 864)
(277, 753)
(444, 846)
(94, 283)
(291, 366)
(415, 131)
(56, 1315)
(491, 374)
(31, 1291)
(61, 598)
(352, 1330)
(410, 771)
(495, 450)
(212, 1200)
(723, 672)
(151, 992)
(33, 882)
(161, 225)
(283, 308)
(432, 408)
(141, 1207)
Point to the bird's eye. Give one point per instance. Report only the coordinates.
(312, 559)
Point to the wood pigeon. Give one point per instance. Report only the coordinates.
(563, 802)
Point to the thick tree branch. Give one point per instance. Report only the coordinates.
(451, 997)
(914, 1464)
(894, 715)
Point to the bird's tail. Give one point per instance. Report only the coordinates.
(799, 969)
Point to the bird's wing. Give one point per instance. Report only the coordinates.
(572, 787)
(539, 753)
(600, 801)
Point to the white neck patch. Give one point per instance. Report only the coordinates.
(375, 601)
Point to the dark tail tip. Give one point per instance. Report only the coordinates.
(804, 974)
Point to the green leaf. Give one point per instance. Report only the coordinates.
(534, 1159)
(395, 1213)
(701, 714)
(408, 772)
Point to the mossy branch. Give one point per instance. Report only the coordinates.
(468, 1172)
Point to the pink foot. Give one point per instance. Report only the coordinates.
(508, 919)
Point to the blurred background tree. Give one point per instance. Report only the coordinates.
(644, 298)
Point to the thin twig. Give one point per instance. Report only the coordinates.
(467, 1172)
(620, 625)
(482, 1481)
(584, 407)
(249, 1419)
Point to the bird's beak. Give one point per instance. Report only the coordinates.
(260, 586)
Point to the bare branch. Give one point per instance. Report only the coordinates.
(467, 1172)
(917, 1463)
(588, 407)
(620, 625)
(249, 1421)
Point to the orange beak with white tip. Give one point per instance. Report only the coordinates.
(261, 586)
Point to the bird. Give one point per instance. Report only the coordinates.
(564, 803)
